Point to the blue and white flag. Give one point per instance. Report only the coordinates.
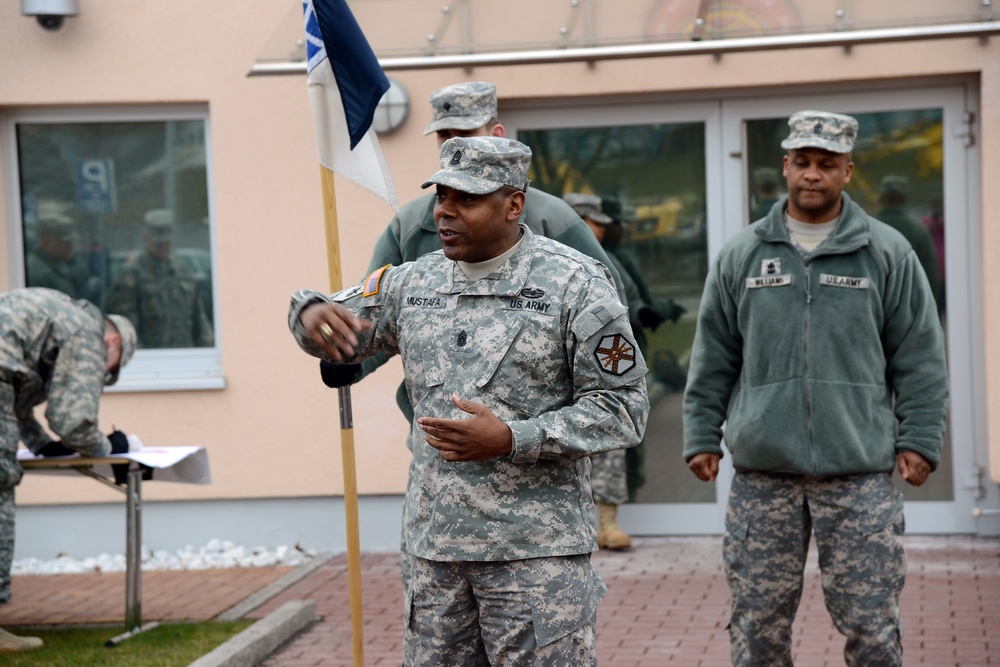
(345, 83)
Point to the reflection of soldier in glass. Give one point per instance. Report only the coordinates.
(50, 263)
(892, 197)
(159, 293)
(934, 223)
(766, 191)
(617, 473)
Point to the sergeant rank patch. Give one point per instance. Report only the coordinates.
(615, 354)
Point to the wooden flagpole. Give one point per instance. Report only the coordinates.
(346, 432)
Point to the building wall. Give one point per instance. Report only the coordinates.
(272, 432)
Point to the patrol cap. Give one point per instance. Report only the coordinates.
(587, 206)
(893, 184)
(480, 165)
(58, 227)
(830, 131)
(160, 224)
(463, 106)
(129, 341)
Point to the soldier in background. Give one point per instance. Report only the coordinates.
(61, 352)
(520, 362)
(50, 263)
(766, 191)
(892, 196)
(609, 477)
(159, 293)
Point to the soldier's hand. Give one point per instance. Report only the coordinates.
(332, 327)
(119, 442)
(338, 375)
(913, 467)
(650, 318)
(705, 466)
(55, 448)
(674, 310)
(480, 437)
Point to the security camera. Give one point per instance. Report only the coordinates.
(50, 14)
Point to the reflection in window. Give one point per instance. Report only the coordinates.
(898, 178)
(651, 179)
(117, 213)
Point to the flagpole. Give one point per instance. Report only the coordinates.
(346, 432)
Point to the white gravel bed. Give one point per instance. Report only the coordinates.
(217, 554)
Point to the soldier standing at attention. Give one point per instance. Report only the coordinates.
(519, 361)
(158, 292)
(63, 352)
(818, 344)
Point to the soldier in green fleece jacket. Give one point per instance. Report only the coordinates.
(819, 346)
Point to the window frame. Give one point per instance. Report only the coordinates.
(150, 369)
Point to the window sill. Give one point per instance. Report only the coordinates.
(167, 382)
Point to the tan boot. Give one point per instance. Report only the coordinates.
(609, 534)
(13, 644)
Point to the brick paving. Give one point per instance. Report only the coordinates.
(77, 599)
(667, 605)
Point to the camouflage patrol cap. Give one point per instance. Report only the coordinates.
(587, 207)
(893, 184)
(830, 131)
(463, 106)
(480, 165)
(58, 228)
(128, 344)
(159, 224)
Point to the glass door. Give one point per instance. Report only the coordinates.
(656, 170)
(911, 167)
(682, 178)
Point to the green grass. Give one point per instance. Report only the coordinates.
(169, 645)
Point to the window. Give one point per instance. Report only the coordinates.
(115, 207)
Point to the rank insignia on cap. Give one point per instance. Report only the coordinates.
(371, 284)
(615, 354)
(456, 158)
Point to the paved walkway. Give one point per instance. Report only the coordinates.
(667, 605)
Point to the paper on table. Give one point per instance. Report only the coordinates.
(188, 465)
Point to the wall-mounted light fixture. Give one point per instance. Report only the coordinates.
(392, 109)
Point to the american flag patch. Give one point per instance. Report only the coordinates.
(371, 283)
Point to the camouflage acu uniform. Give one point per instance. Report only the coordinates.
(545, 344)
(857, 521)
(161, 298)
(51, 349)
(825, 368)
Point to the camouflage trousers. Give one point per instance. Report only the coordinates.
(857, 521)
(536, 611)
(10, 475)
(608, 479)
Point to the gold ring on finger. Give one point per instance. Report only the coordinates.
(326, 330)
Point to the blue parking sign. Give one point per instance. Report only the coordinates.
(95, 186)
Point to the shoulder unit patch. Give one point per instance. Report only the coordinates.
(615, 354)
